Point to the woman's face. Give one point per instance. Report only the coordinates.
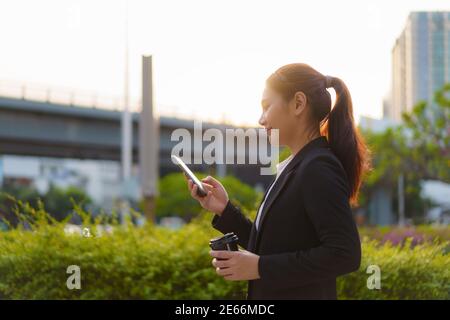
(278, 114)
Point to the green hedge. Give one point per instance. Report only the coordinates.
(129, 263)
(157, 263)
(407, 272)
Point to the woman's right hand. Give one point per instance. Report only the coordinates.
(216, 199)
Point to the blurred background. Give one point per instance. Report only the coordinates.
(90, 92)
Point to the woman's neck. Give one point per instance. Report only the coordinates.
(302, 138)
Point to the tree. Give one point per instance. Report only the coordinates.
(9, 195)
(175, 200)
(57, 202)
(391, 157)
(418, 149)
(60, 202)
(428, 130)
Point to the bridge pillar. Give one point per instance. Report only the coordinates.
(148, 142)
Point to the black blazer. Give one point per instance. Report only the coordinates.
(307, 235)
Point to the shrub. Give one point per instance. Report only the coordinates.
(399, 235)
(407, 272)
(152, 262)
(129, 263)
(57, 201)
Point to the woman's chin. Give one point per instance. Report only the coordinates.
(277, 143)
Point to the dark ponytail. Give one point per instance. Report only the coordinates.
(344, 138)
(336, 123)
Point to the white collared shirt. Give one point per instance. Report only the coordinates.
(280, 167)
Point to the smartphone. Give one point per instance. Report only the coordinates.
(201, 192)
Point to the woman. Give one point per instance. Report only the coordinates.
(304, 235)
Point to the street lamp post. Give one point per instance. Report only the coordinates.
(126, 125)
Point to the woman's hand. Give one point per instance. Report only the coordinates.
(239, 265)
(216, 199)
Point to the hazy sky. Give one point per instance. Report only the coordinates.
(211, 58)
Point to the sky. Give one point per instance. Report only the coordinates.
(211, 58)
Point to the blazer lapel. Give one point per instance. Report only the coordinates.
(253, 232)
(252, 239)
(255, 235)
(275, 192)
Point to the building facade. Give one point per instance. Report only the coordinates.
(420, 61)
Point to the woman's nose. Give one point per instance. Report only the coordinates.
(262, 120)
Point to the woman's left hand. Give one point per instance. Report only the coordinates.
(239, 265)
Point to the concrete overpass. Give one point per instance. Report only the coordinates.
(47, 129)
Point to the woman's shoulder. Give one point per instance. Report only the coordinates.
(320, 158)
(321, 164)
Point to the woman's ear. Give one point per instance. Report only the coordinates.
(299, 102)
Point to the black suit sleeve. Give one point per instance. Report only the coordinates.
(233, 220)
(324, 189)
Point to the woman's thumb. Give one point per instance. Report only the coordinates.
(211, 181)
